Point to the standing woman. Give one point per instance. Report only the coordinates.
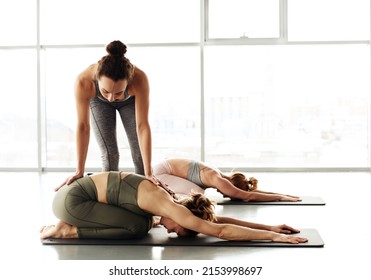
(113, 84)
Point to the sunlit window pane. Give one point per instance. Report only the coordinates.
(243, 18)
(18, 108)
(296, 106)
(327, 20)
(174, 75)
(95, 21)
(18, 22)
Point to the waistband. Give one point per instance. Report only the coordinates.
(124, 192)
(162, 168)
(87, 185)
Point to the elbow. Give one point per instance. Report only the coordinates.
(83, 128)
(243, 196)
(142, 126)
(223, 233)
(250, 196)
(247, 197)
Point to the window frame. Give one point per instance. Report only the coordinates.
(204, 41)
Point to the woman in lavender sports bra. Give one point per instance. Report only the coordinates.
(184, 176)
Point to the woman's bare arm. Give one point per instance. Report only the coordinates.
(227, 231)
(156, 201)
(265, 192)
(279, 228)
(228, 189)
(83, 93)
(140, 88)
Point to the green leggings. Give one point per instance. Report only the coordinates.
(121, 218)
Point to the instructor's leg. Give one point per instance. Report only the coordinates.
(103, 120)
(127, 114)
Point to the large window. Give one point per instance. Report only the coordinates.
(237, 83)
(243, 19)
(281, 106)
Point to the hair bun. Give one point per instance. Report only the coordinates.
(116, 48)
(253, 184)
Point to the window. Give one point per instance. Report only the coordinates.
(18, 109)
(231, 19)
(18, 25)
(60, 68)
(265, 84)
(297, 106)
(175, 117)
(318, 20)
(100, 22)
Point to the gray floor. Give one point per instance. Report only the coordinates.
(344, 224)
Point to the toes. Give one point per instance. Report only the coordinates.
(46, 228)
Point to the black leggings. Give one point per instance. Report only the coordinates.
(103, 120)
(76, 204)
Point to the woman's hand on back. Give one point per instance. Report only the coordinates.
(69, 180)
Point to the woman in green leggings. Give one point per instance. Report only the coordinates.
(119, 205)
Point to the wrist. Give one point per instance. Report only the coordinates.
(270, 228)
(148, 172)
(275, 236)
(79, 172)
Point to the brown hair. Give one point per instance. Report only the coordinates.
(201, 207)
(240, 181)
(115, 65)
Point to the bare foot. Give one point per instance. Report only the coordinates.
(60, 230)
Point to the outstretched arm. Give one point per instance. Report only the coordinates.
(228, 189)
(235, 232)
(229, 228)
(279, 229)
(288, 195)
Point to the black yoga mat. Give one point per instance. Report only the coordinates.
(306, 200)
(159, 237)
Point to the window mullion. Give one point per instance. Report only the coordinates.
(283, 21)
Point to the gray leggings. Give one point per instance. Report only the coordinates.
(76, 204)
(103, 119)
